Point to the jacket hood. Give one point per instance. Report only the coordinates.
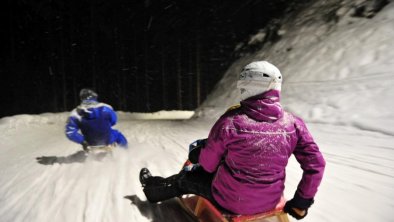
(87, 109)
(263, 107)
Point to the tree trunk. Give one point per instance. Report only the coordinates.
(163, 79)
(12, 59)
(54, 89)
(136, 86)
(93, 23)
(190, 77)
(179, 76)
(146, 72)
(118, 69)
(198, 69)
(73, 66)
(63, 71)
(51, 68)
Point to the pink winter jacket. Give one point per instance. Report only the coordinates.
(249, 148)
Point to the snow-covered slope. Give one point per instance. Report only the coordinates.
(334, 72)
(91, 190)
(338, 76)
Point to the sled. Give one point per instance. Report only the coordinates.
(100, 149)
(100, 152)
(204, 211)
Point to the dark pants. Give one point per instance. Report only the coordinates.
(186, 182)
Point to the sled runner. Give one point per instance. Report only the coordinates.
(100, 152)
(203, 210)
(100, 149)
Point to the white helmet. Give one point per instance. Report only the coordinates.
(259, 77)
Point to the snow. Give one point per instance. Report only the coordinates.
(338, 77)
(160, 115)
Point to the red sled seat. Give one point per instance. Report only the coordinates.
(205, 211)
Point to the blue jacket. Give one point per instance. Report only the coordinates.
(92, 122)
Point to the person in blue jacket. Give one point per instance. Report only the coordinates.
(90, 124)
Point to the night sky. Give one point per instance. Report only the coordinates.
(140, 56)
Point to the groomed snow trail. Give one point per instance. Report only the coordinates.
(359, 175)
(339, 79)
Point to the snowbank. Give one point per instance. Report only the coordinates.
(337, 71)
(162, 115)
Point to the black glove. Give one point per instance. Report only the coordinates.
(85, 146)
(195, 149)
(298, 206)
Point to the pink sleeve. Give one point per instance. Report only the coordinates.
(212, 154)
(311, 160)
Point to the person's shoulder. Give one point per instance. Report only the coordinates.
(74, 114)
(74, 111)
(104, 106)
(229, 115)
(232, 110)
(287, 114)
(294, 118)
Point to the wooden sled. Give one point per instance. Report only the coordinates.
(204, 211)
(100, 152)
(100, 149)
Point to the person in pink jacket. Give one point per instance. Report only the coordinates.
(242, 162)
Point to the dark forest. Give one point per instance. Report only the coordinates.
(140, 56)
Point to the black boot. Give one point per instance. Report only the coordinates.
(158, 189)
(144, 176)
